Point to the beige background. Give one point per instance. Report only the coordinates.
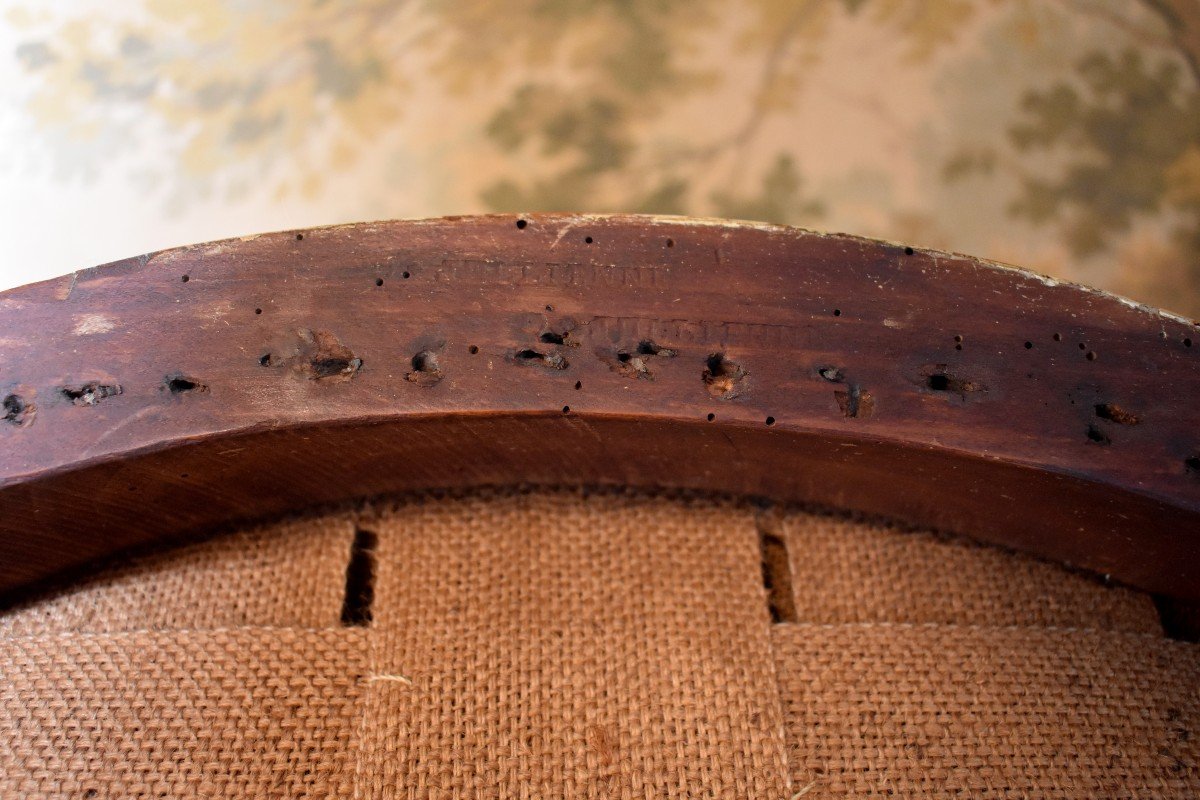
(1063, 135)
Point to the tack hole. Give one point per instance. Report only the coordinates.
(379, 281)
(908, 251)
(521, 224)
(711, 417)
(723, 378)
(473, 349)
(530, 356)
(180, 384)
(15, 409)
(1115, 413)
(258, 311)
(831, 374)
(670, 242)
(588, 239)
(425, 361)
(770, 421)
(186, 278)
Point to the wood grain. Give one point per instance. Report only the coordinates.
(162, 395)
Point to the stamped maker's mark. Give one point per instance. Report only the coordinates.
(480, 271)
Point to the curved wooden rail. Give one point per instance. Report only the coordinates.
(165, 394)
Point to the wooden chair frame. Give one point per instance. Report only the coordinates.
(165, 395)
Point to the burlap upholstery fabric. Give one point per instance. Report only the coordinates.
(289, 574)
(950, 711)
(563, 644)
(568, 648)
(256, 712)
(847, 570)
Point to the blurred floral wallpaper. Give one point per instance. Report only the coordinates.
(1060, 135)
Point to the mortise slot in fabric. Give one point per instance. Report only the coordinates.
(777, 573)
(360, 580)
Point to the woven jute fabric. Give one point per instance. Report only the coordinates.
(288, 574)
(253, 712)
(881, 710)
(568, 646)
(845, 571)
(564, 644)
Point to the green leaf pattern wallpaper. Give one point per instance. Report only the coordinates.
(1060, 135)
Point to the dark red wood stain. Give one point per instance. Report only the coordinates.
(281, 374)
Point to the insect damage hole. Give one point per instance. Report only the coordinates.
(1098, 436)
(360, 580)
(723, 378)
